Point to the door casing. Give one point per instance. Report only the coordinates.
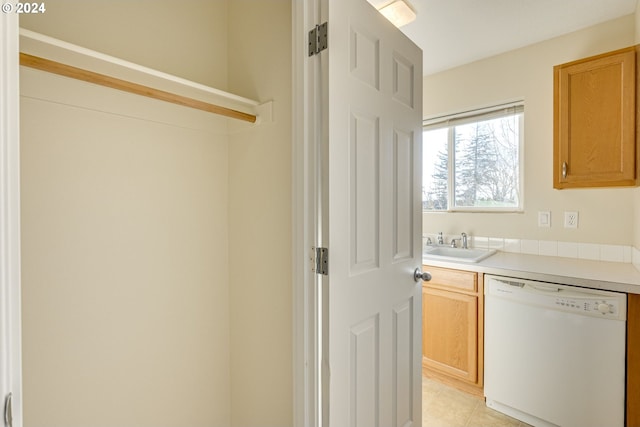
(10, 323)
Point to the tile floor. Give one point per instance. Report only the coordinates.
(444, 406)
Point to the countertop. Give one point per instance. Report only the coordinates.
(610, 276)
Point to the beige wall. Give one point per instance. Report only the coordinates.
(124, 266)
(637, 22)
(260, 218)
(186, 38)
(606, 215)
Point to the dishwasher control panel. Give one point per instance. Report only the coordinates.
(570, 299)
(599, 306)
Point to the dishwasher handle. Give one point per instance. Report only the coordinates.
(548, 288)
(543, 288)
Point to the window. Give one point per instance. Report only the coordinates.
(472, 161)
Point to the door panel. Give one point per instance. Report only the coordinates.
(403, 238)
(365, 191)
(364, 390)
(365, 57)
(404, 377)
(403, 76)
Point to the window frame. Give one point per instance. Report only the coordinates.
(449, 121)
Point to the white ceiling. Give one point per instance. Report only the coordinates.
(456, 32)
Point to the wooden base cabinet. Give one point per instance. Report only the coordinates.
(633, 360)
(452, 328)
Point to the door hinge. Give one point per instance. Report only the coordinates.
(320, 261)
(318, 39)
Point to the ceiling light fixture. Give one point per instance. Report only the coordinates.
(399, 13)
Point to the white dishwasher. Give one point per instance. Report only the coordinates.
(555, 354)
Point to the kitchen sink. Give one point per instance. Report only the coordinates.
(447, 253)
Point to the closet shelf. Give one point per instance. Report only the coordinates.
(59, 57)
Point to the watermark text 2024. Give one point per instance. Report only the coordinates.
(24, 7)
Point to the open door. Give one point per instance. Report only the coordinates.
(371, 219)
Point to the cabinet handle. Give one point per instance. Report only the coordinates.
(564, 170)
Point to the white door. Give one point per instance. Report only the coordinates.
(372, 76)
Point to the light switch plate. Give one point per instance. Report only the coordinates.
(544, 219)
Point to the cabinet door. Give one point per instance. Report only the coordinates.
(450, 333)
(594, 121)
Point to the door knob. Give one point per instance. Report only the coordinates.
(419, 275)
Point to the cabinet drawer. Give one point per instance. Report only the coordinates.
(446, 278)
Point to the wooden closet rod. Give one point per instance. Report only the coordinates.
(114, 83)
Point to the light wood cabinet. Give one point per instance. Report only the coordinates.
(595, 121)
(452, 328)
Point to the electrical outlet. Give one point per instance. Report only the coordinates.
(571, 220)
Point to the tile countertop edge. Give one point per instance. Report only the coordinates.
(609, 276)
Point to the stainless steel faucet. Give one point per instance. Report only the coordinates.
(463, 241)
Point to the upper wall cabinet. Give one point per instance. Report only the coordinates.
(595, 121)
